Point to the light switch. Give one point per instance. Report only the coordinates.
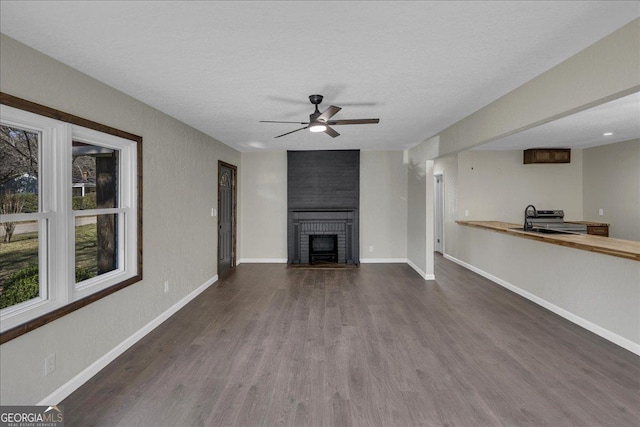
(214, 212)
(601, 212)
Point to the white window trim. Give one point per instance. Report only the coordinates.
(57, 218)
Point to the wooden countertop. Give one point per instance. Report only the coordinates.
(590, 223)
(604, 245)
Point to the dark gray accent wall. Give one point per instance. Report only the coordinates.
(323, 193)
(323, 179)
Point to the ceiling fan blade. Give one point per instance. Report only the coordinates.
(274, 121)
(331, 132)
(328, 113)
(290, 132)
(353, 122)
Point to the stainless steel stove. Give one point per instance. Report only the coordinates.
(550, 221)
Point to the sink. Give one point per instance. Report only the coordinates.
(543, 231)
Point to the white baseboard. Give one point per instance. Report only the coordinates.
(261, 261)
(72, 385)
(383, 260)
(284, 260)
(590, 326)
(422, 274)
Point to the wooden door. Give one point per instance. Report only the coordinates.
(226, 216)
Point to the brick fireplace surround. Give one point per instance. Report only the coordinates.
(305, 223)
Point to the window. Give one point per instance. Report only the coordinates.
(70, 214)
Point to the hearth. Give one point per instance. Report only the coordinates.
(323, 247)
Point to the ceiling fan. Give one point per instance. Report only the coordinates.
(319, 122)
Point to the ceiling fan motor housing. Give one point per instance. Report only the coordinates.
(315, 99)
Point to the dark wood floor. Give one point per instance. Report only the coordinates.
(374, 346)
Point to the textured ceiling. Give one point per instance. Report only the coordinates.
(586, 129)
(223, 66)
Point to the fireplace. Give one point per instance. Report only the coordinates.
(323, 197)
(303, 224)
(323, 247)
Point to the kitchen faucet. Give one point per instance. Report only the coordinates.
(528, 225)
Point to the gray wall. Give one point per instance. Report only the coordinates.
(611, 181)
(264, 206)
(419, 212)
(383, 194)
(180, 237)
(448, 167)
(495, 185)
(383, 198)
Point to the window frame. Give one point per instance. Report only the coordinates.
(63, 294)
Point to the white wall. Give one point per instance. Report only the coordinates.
(264, 206)
(179, 234)
(611, 181)
(496, 185)
(383, 205)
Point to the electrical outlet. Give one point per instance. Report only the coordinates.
(166, 286)
(50, 364)
(466, 212)
(370, 248)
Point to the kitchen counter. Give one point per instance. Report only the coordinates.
(593, 227)
(589, 223)
(605, 245)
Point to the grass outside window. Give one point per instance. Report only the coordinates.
(20, 257)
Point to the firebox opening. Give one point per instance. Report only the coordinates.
(323, 247)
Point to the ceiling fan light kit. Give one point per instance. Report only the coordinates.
(317, 127)
(319, 122)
